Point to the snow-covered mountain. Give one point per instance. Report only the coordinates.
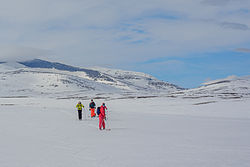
(39, 77)
(43, 78)
(232, 87)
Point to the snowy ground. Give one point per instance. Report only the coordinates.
(160, 132)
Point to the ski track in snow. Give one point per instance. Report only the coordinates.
(45, 132)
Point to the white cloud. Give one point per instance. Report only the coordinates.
(244, 50)
(17, 53)
(92, 32)
(235, 26)
(216, 2)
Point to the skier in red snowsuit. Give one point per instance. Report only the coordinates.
(102, 116)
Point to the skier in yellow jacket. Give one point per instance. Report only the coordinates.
(79, 106)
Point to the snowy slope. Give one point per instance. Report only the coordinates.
(43, 78)
(47, 82)
(137, 80)
(230, 87)
(5, 66)
(128, 80)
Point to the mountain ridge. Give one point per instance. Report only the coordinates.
(51, 77)
(43, 78)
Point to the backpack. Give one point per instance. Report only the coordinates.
(98, 110)
(92, 105)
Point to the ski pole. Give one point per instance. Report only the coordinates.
(107, 121)
(85, 114)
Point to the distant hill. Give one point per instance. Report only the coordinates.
(232, 87)
(44, 78)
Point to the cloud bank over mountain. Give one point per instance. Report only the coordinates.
(17, 53)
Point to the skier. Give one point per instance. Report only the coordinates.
(79, 106)
(102, 116)
(92, 108)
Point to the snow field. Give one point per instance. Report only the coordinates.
(45, 132)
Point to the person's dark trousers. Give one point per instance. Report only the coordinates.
(80, 114)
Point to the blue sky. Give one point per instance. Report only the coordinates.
(195, 69)
(185, 42)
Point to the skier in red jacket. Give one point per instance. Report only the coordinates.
(102, 116)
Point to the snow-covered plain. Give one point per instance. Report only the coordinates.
(162, 131)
